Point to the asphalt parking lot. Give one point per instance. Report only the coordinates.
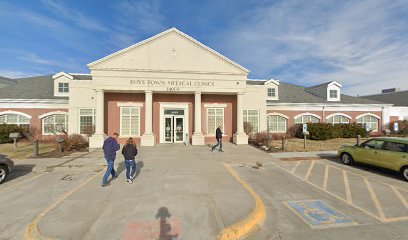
(190, 193)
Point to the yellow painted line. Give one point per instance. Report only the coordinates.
(250, 224)
(326, 177)
(294, 168)
(33, 232)
(375, 199)
(347, 188)
(399, 195)
(309, 170)
(20, 183)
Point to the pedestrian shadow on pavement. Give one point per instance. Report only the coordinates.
(121, 168)
(165, 228)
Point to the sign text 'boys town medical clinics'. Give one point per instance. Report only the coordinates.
(172, 85)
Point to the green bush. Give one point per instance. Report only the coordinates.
(325, 131)
(6, 129)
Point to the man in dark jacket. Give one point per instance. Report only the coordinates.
(218, 136)
(110, 146)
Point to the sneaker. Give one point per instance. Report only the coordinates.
(105, 184)
(116, 176)
(127, 180)
(130, 181)
(221, 150)
(212, 149)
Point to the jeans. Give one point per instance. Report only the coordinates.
(110, 170)
(130, 163)
(219, 143)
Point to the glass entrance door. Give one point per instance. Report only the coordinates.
(179, 129)
(173, 129)
(168, 129)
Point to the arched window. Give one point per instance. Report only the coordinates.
(369, 120)
(17, 119)
(277, 123)
(306, 119)
(57, 123)
(338, 119)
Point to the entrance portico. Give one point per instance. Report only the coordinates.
(188, 89)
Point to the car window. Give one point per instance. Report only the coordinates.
(376, 144)
(395, 147)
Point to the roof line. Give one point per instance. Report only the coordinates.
(162, 34)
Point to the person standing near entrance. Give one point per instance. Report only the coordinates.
(110, 146)
(129, 152)
(218, 136)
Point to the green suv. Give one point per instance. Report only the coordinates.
(386, 152)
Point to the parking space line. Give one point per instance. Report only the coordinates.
(20, 183)
(309, 170)
(326, 177)
(296, 166)
(399, 195)
(375, 199)
(347, 188)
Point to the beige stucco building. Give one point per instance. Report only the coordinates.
(171, 88)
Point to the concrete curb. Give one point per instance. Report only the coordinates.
(250, 224)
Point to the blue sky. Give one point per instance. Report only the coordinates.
(361, 44)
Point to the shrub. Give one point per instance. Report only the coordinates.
(325, 131)
(75, 142)
(6, 129)
(262, 138)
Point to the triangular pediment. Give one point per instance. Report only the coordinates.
(173, 51)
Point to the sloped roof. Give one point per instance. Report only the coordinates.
(396, 98)
(171, 30)
(6, 81)
(292, 93)
(81, 76)
(39, 87)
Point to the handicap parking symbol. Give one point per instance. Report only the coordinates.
(317, 214)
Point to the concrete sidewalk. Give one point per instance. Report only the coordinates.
(187, 187)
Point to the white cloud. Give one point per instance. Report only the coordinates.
(74, 16)
(362, 44)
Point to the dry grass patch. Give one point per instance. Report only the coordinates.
(296, 144)
(25, 149)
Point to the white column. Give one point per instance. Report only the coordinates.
(148, 138)
(96, 140)
(197, 138)
(240, 136)
(197, 113)
(99, 121)
(148, 112)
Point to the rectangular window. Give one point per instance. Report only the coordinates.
(271, 92)
(86, 121)
(251, 121)
(215, 118)
(395, 147)
(63, 87)
(55, 124)
(130, 121)
(333, 93)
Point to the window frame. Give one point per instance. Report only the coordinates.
(390, 142)
(66, 125)
(336, 93)
(79, 118)
(64, 87)
(18, 122)
(306, 115)
(371, 117)
(271, 91)
(277, 122)
(246, 117)
(215, 120)
(341, 116)
(121, 119)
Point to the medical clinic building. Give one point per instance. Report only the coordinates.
(171, 88)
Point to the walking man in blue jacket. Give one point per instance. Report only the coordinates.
(110, 146)
(218, 136)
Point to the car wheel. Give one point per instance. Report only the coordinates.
(3, 173)
(404, 172)
(347, 159)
